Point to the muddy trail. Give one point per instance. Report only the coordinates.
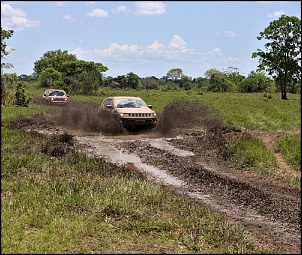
(188, 155)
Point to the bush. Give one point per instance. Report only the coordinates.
(21, 98)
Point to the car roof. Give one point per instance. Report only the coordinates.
(55, 90)
(120, 97)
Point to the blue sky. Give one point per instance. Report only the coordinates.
(147, 38)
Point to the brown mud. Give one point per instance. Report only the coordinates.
(186, 153)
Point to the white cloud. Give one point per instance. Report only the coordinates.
(276, 14)
(216, 52)
(178, 43)
(230, 34)
(98, 13)
(90, 2)
(121, 9)
(15, 19)
(69, 18)
(176, 52)
(148, 8)
(61, 4)
(155, 46)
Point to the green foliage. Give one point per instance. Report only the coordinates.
(290, 148)
(133, 81)
(54, 59)
(21, 98)
(282, 58)
(251, 154)
(255, 82)
(175, 74)
(59, 69)
(50, 78)
(233, 75)
(220, 83)
(150, 83)
(8, 82)
(5, 34)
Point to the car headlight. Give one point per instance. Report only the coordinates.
(123, 114)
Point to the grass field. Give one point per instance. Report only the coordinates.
(80, 204)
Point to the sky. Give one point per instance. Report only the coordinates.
(148, 38)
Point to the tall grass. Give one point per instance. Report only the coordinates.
(251, 154)
(290, 148)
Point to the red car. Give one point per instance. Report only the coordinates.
(55, 96)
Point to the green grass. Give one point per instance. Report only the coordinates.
(82, 204)
(290, 148)
(251, 111)
(250, 154)
(248, 111)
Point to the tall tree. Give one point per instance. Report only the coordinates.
(175, 74)
(54, 59)
(282, 58)
(5, 34)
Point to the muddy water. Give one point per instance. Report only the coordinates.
(107, 148)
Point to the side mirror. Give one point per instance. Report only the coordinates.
(150, 106)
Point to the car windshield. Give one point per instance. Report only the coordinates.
(131, 103)
(57, 93)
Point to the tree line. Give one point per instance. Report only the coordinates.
(279, 69)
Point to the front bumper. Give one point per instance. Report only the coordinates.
(138, 122)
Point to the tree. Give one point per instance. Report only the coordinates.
(255, 82)
(150, 82)
(54, 59)
(74, 75)
(175, 74)
(21, 98)
(5, 34)
(209, 73)
(282, 58)
(220, 83)
(50, 77)
(133, 80)
(185, 82)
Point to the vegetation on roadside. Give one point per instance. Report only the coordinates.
(290, 148)
(250, 154)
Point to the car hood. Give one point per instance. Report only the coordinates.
(134, 110)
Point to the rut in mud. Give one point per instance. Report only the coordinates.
(187, 145)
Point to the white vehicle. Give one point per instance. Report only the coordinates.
(132, 111)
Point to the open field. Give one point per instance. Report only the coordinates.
(55, 198)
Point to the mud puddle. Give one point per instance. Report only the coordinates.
(108, 149)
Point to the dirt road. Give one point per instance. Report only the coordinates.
(190, 160)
